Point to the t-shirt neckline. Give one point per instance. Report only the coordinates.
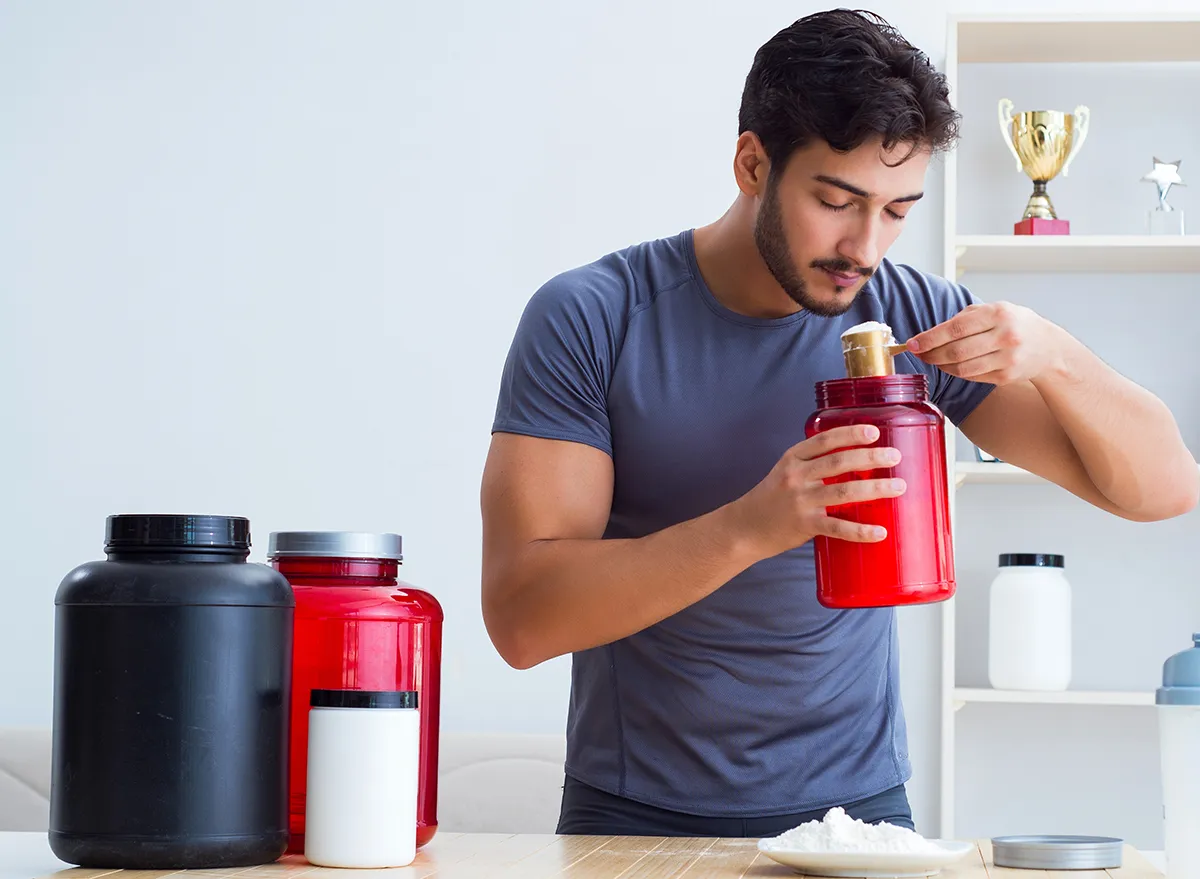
(720, 310)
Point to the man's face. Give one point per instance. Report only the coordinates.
(827, 220)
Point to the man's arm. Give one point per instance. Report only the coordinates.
(1062, 413)
(552, 585)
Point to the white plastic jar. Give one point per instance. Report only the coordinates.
(363, 765)
(1029, 624)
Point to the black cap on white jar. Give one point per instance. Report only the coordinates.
(1030, 560)
(363, 699)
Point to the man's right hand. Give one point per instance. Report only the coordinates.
(790, 506)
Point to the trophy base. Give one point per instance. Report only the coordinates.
(1038, 226)
(1165, 222)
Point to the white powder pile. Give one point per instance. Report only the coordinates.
(872, 326)
(841, 833)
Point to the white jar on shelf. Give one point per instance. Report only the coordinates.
(1029, 624)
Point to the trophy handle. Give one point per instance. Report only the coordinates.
(1082, 115)
(1006, 119)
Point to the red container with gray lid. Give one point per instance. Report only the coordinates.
(359, 627)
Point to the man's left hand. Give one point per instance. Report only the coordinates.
(996, 343)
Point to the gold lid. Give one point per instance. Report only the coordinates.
(870, 352)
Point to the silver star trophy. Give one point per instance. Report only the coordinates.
(1164, 219)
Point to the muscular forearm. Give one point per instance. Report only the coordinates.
(559, 596)
(1125, 436)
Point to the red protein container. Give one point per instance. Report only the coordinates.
(359, 628)
(914, 564)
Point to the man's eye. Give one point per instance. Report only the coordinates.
(835, 207)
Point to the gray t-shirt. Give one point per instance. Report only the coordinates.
(757, 700)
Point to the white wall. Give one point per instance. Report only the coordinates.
(265, 259)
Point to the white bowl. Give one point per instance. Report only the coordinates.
(861, 865)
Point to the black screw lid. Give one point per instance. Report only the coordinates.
(363, 699)
(1030, 560)
(177, 532)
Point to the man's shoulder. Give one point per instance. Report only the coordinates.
(619, 283)
(912, 300)
(898, 280)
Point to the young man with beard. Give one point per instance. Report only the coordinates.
(649, 498)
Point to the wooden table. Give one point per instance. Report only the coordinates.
(501, 856)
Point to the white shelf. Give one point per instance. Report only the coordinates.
(1078, 253)
(992, 473)
(1069, 697)
(1043, 38)
(1026, 38)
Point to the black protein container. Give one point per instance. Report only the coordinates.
(172, 680)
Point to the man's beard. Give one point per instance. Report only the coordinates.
(772, 246)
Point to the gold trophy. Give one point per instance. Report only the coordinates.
(1044, 142)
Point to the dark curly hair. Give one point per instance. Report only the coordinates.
(845, 76)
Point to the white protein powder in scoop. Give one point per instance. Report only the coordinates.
(841, 833)
(870, 326)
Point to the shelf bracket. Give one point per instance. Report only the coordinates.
(958, 705)
(959, 252)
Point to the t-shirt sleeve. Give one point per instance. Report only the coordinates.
(555, 379)
(937, 301)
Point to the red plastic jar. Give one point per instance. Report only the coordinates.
(914, 564)
(358, 627)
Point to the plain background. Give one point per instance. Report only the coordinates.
(265, 259)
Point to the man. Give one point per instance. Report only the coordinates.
(649, 499)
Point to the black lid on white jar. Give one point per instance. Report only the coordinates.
(363, 699)
(1030, 560)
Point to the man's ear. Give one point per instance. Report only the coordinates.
(751, 165)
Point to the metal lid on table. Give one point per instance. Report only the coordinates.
(1058, 852)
